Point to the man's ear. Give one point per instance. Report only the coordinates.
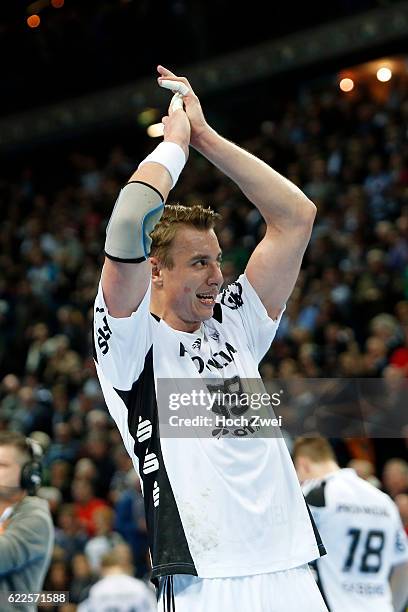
(157, 277)
(302, 468)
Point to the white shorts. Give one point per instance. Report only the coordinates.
(288, 591)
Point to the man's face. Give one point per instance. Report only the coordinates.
(190, 287)
(81, 491)
(10, 469)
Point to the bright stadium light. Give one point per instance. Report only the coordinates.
(155, 130)
(33, 21)
(147, 116)
(346, 85)
(384, 74)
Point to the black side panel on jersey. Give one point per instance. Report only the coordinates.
(316, 497)
(314, 565)
(168, 544)
(94, 354)
(217, 313)
(319, 542)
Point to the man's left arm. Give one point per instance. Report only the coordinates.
(399, 586)
(275, 263)
(399, 573)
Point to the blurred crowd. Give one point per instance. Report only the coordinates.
(347, 317)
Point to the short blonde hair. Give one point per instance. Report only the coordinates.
(316, 449)
(174, 217)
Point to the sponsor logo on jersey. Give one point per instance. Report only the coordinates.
(217, 361)
(231, 387)
(235, 432)
(220, 431)
(144, 430)
(197, 344)
(232, 296)
(356, 509)
(151, 463)
(103, 335)
(156, 494)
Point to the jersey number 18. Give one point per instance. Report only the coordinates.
(370, 561)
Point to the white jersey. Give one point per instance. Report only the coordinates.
(364, 538)
(119, 593)
(216, 506)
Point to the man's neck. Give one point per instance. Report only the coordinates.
(322, 470)
(174, 321)
(10, 501)
(115, 570)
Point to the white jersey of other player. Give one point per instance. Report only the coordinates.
(364, 538)
(119, 593)
(216, 506)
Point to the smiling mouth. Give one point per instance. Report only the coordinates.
(206, 298)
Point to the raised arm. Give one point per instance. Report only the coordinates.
(126, 271)
(275, 263)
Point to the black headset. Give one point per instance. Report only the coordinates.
(31, 471)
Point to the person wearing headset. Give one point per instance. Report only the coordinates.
(26, 528)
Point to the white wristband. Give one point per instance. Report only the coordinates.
(171, 156)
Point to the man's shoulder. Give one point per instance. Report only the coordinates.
(31, 504)
(347, 488)
(315, 493)
(33, 512)
(363, 486)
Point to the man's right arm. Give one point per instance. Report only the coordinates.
(125, 278)
(124, 284)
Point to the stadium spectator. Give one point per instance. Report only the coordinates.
(395, 477)
(70, 536)
(130, 521)
(59, 476)
(366, 470)
(82, 578)
(105, 538)
(119, 590)
(402, 504)
(85, 504)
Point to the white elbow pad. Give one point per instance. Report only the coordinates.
(137, 211)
